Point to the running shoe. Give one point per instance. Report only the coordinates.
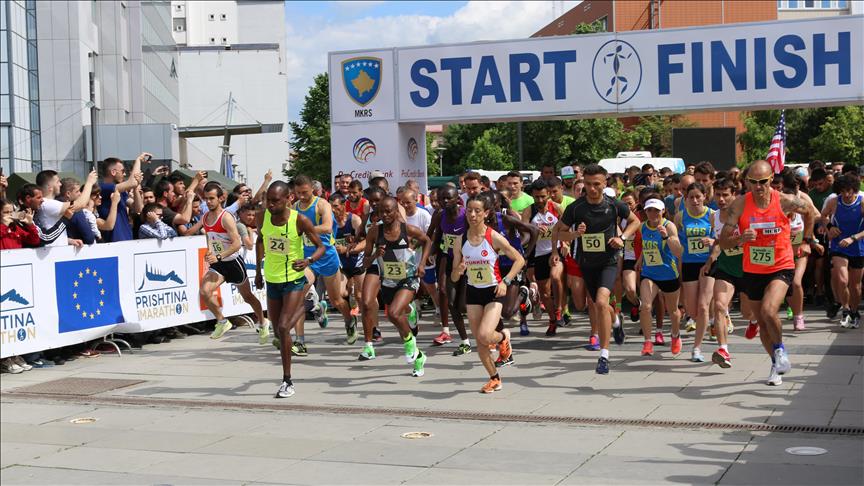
(321, 314)
(799, 323)
(832, 310)
(376, 335)
(602, 366)
(501, 362)
(552, 330)
(505, 350)
(442, 339)
(566, 319)
(696, 356)
(355, 311)
(676, 345)
(285, 390)
(299, 349)
(23, 364)
(722, 358)
(412, 316)
(752, 330)
(264, 332)
(367, 354)
(846, 319)
(276, 343)
(221, 328)
(593, 344)
(647, 349)
(789, 314)
(351, 331)
(634, 312)
(774, 378)
(781, 361)
(536, 309)
(462, 349)
(730, 328)
(618, 334)
(658, 339)
(691, 324)
(712, 336)
(856, 320)
(523, 327)
(10, 366)
(524, 295)
(411, 351)
(418, 365)
(493, 385)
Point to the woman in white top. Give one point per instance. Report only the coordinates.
(476, 255)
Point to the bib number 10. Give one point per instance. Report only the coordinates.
(695, 245)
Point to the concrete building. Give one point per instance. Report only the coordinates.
(804, 9)
(20, 131)
(128, 49)
(236, 49)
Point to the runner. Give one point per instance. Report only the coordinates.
(767, 262)
(800, 249)
(347, 225)
(448, 224)
(477, 257)
(400, 275)
(845, 215)
(226, 265)
(279, 239)
(544, 215)
(355, 203)
(518, 199)
(595, 218)
(626, 286)
(421, 219)
(320, 213)
(660, 250)
(694, 224)
(571, 278)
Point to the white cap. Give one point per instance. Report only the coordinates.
(802, 171)
(567, 172)
(655, 204)
(376, 173)
(609, 192)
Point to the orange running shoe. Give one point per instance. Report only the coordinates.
(648, 349)
(493, 385)
(676, 345)
(504, 349)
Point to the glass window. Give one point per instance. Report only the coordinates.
(4, 57)
(826, 3)
(32, 57)
(34, 116)
(34, 86)
(842, 3)
(793, 3)
(4, 78)
(809, 3)
(4, 109)
(36, 146)
(4, 142)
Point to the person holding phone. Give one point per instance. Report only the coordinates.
(114, 179)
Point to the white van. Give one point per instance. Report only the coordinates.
(528, 176)
(625, 160)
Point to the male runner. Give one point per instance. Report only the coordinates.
(845, 215)
(279, 238)
(226, 265)
(760, 216)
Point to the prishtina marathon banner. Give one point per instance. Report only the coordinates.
(58, 296)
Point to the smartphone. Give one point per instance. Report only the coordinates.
(148, 158)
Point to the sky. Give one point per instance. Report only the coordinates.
(316, 28)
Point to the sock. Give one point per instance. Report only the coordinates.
(301, 339)
(446, 329)
(724, 347)
(618, 306)
(369, 344)
(773, 361)
(697, 351)
(466, 342)
(495, 377)
(604, 353)
(407, 338)
(617, 322)
(596, 336)
(775, 347)
(500, 326)
(287, 379)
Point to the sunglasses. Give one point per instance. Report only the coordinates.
(760, 182)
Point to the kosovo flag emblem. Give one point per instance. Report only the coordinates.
(88, 294)
(361, 77)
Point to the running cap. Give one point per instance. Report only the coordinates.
(376, 173)
(567, 172)
(609, 192)
(655, 204)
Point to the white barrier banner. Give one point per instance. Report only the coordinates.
(58, 296)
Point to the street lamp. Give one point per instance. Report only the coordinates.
(440, 151)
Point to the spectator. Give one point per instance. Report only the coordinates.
(30, 199)
(186, 229)
(164, 194)
(154, 225)
(4, 184)
(114, 179)
(344, 182)
(547, 171)
(52, 210)
(92, 211)
(17, 231)
(79, 227)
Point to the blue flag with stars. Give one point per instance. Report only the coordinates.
(88, 294)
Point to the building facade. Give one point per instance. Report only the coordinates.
(20, 130)
(233, 50)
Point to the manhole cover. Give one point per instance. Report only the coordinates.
(77, 386)
(806, 451)
(416, 435)
(83, 420)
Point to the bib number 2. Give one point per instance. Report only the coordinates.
(652, 257)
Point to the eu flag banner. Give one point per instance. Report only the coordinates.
(87, 294)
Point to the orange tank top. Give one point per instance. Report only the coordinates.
(772, 249)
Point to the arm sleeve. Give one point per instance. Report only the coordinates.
(80, 228)
(147, 231)
(48, 235)
(168, 232)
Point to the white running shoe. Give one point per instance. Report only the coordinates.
(781, 361)
(285, 390)
(846, 320)
(774, 379)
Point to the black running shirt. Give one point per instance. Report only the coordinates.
(602, 225)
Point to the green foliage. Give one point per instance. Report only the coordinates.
(487, 154)
(827, 134)
(433, 168)
(654, 133)
(310, 139)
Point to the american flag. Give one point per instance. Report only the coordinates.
(777, 153)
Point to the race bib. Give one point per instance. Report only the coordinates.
(307, 241)
(734, 251)
(797, 238)
(651, 257)
(594, 242)
(216, 245)
(762, 255)
(395, 271)
(479, 275)
(339, 242)
(447, 241)
(696, 246)
(277, 244)
(545, 233)
(628, 245)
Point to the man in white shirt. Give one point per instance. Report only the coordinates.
(52, 210)
(421, 219)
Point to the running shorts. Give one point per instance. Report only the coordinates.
(233, 271)
(572, 267)
(666, 286)
(328, 265)
(756, 283)
(482, 296)
(598, 277)
(855, 262)
(275, 291)
(690, 271)
(389, 293)
(629, 265)
(541, 267)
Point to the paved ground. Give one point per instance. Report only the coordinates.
(204, 413)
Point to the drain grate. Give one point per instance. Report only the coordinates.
(75, 386)
(447, 414)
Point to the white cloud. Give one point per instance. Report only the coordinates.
(308, 42)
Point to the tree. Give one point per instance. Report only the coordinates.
(842, 136)
(487, 154)
(654, 133)
(310, 138)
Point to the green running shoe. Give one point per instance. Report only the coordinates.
(276, 343)
(367, 354)
(351, 331)
(264, 333)
(299, 349)
(789, 315)
(418, 366)
(222, 327)
(412, 315)
(411, 351)
(462, 349)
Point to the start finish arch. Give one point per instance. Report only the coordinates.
(382, 99)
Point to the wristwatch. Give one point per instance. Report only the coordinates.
(219, 257)
(507, 281)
